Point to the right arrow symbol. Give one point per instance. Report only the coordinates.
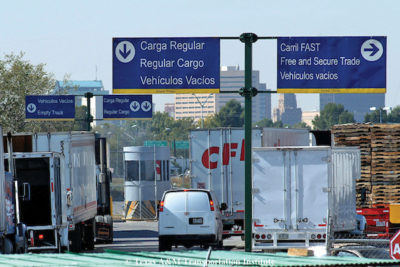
(374, 49)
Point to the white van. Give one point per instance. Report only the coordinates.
(189, 217)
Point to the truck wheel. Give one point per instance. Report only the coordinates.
(88, 237)
(59, 244)
(8, 247)
(109, 241)
(75, 238)
(164, 245)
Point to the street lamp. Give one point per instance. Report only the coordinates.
(202, 105)
(380, 111)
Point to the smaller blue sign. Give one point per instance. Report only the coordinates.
(49, 107)
(127, 107)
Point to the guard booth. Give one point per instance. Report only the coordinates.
(147, 174)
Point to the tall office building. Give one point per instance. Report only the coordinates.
(287, 110)
(170, 109)
(358, 104)
(197, 106)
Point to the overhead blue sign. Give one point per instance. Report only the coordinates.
(166, 65)
(127, 107)
(49, 107)
(331, 65)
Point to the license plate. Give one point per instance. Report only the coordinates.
(283, 236)
(195, 220)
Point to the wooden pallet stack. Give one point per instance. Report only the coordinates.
(380, 161)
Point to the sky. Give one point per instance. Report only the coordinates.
(74, 38)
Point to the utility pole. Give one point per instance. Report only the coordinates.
(202, 106)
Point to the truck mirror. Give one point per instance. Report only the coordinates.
(223, 206)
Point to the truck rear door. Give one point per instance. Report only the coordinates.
(199, 216)
(33, 175)
(270, 178)
(172, 218)
(309, 188)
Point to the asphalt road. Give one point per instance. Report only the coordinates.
(136, 236)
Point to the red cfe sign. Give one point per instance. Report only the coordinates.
(229, 151)
(395, 246)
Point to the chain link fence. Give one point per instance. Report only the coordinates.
(371, 245)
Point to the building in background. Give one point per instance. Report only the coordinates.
(197, 106)
(358, 104)
(287, 110)
(170, 109)
(79, 88)
(308, 116)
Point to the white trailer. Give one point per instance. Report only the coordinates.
(3, 200)
(217, 164)
(59, 181)
(299, 191)
(12, 231)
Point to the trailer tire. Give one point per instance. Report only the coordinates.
(164, 245)
(109, 241)
(75, 238)
(88, 236)
(7, 247)
(220, 244)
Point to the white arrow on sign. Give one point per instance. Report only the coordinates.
(372, 50)
(125, 51)
(146, 106)
(134, 106)
(31, 108)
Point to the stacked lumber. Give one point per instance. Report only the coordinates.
(380, 161)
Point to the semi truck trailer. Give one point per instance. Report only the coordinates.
(12, 231)
(303, 195)
(217, 164)
(58, 178)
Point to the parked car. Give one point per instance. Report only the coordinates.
(189, 217)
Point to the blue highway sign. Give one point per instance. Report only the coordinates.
(166, 65)
(127, 107)
(49, 107)
(331, 64)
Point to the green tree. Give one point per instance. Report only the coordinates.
(375, 116)
(133, 133)
(210, 122)
(269, 123)
(300, 125)
(230, 115)
(394, 115)
(332, 114)
(19, 78)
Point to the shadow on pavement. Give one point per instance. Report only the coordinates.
(135, 234)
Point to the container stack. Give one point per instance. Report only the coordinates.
(379, 144)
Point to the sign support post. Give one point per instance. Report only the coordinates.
(89, 118)
(248, 92)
